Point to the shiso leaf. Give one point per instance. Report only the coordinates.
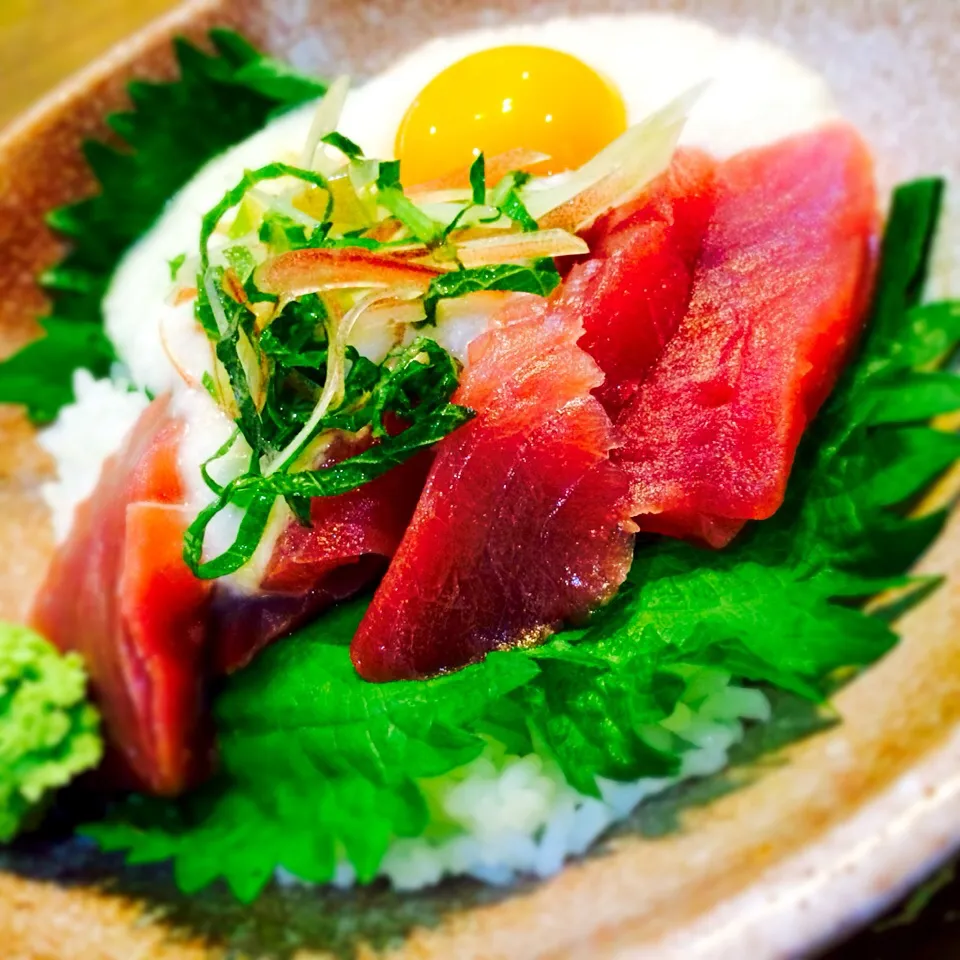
(40, 376)
(320, 765)
(315, 760)
(541, 280)
(49, 732)
(171, 132)
(344, 144)
(760, 622)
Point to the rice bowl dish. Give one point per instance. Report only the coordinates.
(516, 808)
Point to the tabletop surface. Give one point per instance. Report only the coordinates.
(44, 41)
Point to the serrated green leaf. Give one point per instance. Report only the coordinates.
(40, 376)
(314, 760)
(501, 276)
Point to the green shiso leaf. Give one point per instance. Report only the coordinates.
(391, 196)
(171, 132)
(319, 765)
(315, 762)
(344, 144)
(49, 733)
(40, 376)
(478, 180)
(422, 375)
(541, 280)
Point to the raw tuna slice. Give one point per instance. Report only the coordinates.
(351, 539)
(778, 299)
(119, 592)
(522, 523)
(634, 290)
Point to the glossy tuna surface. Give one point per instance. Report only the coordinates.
(522, 524)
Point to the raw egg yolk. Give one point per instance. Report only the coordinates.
(508, 98)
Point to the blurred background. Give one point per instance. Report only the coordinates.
(43, 41)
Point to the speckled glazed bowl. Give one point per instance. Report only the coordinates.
(810, 848)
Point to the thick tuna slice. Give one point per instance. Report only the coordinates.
(351, 540)
(119, 592)
(778, 300)
(633, 291)
(522, 523)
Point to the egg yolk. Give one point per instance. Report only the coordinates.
(508, 98)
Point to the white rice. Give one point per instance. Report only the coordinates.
(509, 816)
(84, 434)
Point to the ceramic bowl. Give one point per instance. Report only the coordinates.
(818, 843)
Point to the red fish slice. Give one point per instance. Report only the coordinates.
(722, 305)
(778, 300)
(119, 592)
(522, 522)
(633, 291)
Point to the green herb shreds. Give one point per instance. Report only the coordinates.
(413, 385)
(541, 280)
